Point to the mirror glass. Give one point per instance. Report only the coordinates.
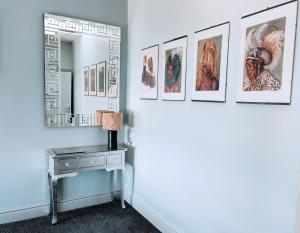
(82, 60)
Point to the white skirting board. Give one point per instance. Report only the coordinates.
(21, 214)
(65, 205)
(152, 216)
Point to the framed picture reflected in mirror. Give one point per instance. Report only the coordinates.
(101, 79)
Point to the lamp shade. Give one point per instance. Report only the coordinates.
(99, 114)
(112, 121)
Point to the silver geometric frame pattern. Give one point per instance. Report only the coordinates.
(52, 25)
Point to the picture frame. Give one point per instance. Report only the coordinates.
(210, 63)
(93, 80)
(113, 83)
(86, 80)
(267, 55)
(101, 79)
(149, 72)
(174, 60)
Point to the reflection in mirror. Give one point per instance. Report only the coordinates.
(82, 61)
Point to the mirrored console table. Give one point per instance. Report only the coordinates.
(67, 162)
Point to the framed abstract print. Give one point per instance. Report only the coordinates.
(101, 79)
(86, 75)
(174, 69)
(93, 82)
(267, 55)
(210, 63)
(148, 81)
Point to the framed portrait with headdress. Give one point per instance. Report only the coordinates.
(174, 69)
(86, 80)
(101, 79)
(93, 80)
(267, 55)
(148, 81)
(210, 63)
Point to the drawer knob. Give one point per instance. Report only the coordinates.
(67, 164)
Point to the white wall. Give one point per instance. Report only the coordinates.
(211, 167)
(24, 138)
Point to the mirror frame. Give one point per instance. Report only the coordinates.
(53, 24)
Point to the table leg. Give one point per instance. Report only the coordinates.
(54, 201)
(123, 188)
(50, 194)
(114, 184)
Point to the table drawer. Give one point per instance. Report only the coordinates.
(65, 164)
(114, 160)
(92, 161)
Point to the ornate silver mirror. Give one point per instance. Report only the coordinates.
(82, 64)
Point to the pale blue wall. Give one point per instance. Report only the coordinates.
(211, 167)
(23, 135)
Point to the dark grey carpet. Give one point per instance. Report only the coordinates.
(106, 218)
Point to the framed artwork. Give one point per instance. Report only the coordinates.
(149, 58)
(86, 74)
(101, 79)
(93, 81)
(210, 63)
(267, 55)
(174, 65)
(113, 83)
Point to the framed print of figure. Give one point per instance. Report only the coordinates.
(86, 74)
(101, 79)
(93, 81)
(174, 65)
(267, 54)
(210, 63)
(149, 58)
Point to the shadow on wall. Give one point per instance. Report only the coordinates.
(129, 123)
